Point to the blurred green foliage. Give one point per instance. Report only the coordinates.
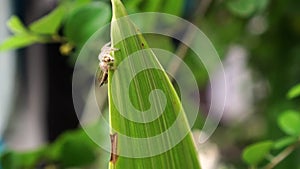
(289, 123)
(73, 149)
(255, 153)
(294, 92)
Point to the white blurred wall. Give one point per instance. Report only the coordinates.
(7, 69)
(22, 110)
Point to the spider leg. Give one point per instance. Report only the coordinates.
(103, 80)
(107, 44)
(114, 49)
(107, 48)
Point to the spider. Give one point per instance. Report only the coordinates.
(106, 63)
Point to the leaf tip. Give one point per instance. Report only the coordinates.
(118, 9)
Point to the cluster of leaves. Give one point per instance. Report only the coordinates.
(246, 8)
(76, 19)
(63, 153)
(289, 122)
(279, 36)
(72, 22)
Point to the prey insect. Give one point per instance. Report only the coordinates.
(106, 63)
(114, 144)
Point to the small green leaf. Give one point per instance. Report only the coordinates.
(14, 160)
(255, 153)
(262, 5)
(85, 21)
(16, 25)
(294, 92)
(50, 23)
(77, 152)
(289, 122)
(243, 8)
(73, 148)
(150, 6)
(132, 5)
(19, 41)
(73, 4)
(30, 159)
(284, 142)
(10, 160)
(174, 7)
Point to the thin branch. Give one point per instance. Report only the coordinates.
(277, 159)
(189, 37)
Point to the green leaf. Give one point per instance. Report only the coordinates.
(262, 5)
(50, 23)
(289, 122)
(76, 151)
(284, 142)
(243, 8)
(255, 153)
(132, 5)
(137, 154)
(16, 25)
(72, 149)
(10, 160)
(85, 21)
(174, 7)
(294, 92)
(13, 160)
(150, 6)
(73, 4)
(19, 41)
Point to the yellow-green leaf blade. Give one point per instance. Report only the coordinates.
(294, 92)
(16, 25)
(19, 41)
(255, 153)
(50, 23)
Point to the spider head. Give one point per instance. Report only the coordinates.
(107, 59)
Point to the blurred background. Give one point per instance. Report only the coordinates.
(257, 40)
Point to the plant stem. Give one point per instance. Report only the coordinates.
(277, 159)
(182, 48)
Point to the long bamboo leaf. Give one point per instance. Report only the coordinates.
(148, 123)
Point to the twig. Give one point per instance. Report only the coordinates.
(277, 159)
(189, 37)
